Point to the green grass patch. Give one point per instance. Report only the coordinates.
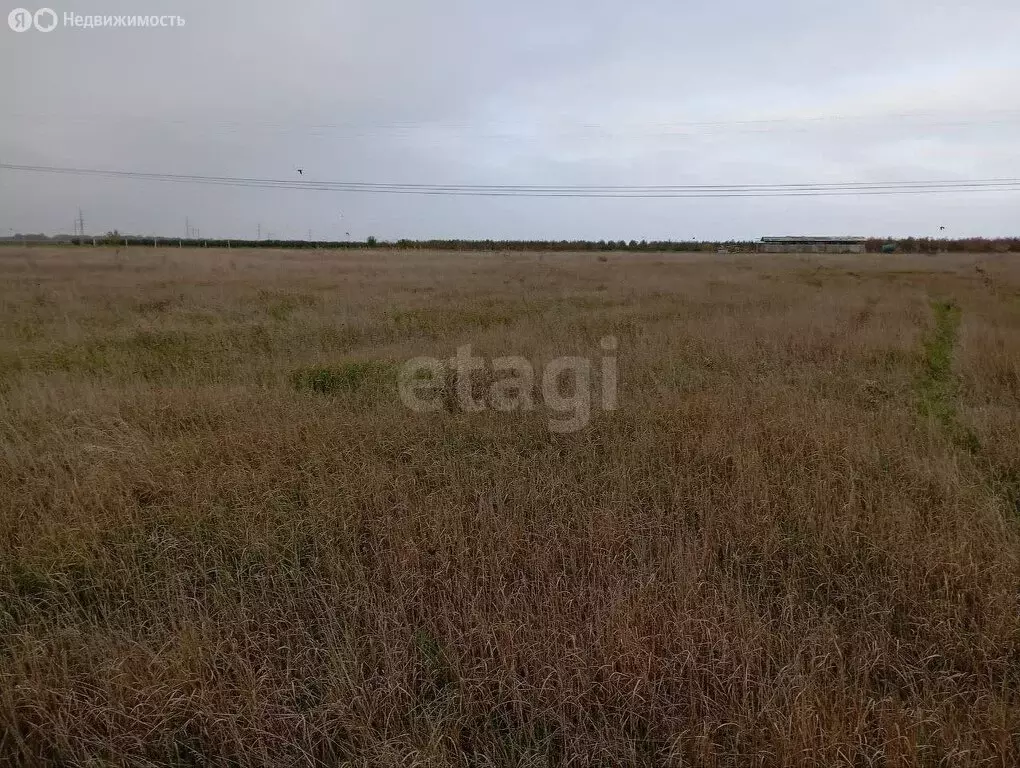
(937, 387)
(485, 314)
(350, 377)
(10, 364)
(89, 356)
(482, 315)
(155, 307)
(280, 306)
(149, 354)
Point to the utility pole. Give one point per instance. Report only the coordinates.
(187, 228)
(80, 226)
(258, 231)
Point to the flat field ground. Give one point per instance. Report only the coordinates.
(224, 540)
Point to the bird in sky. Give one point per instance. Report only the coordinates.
(301, 171)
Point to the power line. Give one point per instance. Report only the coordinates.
(807, 189)
(371, 128)
(506, 187)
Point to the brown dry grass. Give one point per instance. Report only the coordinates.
(795, 544)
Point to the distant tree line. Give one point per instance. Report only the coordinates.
(576, 245)
(873, 245)
(932, 245)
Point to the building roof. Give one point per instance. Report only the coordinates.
(801, 240)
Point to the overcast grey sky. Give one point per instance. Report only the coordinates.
(528, 92)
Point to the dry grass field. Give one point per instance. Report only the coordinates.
(796, 542)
